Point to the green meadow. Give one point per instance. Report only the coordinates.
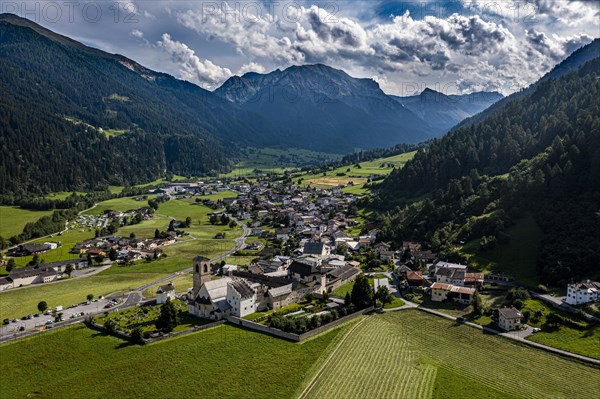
(13, 219)
(221, 362)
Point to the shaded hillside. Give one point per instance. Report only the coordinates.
(574, 61)
(324, 109)
(520, 129)
(57, 94)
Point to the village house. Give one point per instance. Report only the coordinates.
(165, 292)
(584, 292)
(282, 234)
(414, 279)
(449, 275)
(28, 249)
(508, 319)
(448, 265)
(317, 249)
(5, 283)
(33, 275)
(447, 292)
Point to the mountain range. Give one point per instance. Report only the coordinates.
(117, 122)
(442, 112)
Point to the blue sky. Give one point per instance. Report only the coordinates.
(451, 46)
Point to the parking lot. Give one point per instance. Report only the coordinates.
(42, 320)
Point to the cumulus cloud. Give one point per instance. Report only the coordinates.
(469, 49)
(466, 47)
(192, 68)
(251, 67)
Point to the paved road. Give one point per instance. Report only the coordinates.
(240, 243)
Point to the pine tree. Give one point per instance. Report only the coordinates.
(167, 320)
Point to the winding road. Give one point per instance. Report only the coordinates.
(240, 243)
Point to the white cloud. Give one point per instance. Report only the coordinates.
(251, 67)
(192, 68)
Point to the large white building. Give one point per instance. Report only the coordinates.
(584, 292)
(241, 297)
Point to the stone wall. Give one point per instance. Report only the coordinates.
(290, 336)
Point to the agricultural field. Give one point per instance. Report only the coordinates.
(517, 258)
(116, 204)
(86, 363)
(13, 219)
(411, 354)
(276, 160)
(357, 175)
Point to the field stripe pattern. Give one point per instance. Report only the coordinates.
(398, 355)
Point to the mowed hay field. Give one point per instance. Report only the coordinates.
(411, 354)
(221, 362)
(358, 176)
(13, 219)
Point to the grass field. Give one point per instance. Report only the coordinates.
(518, 257)
(221, 362)
(219, 196)
(356, 175)
(13, 219)
(411, 354)
(586, 342)
(342, 290)
(116, 204)
(276, 160)
(181, 284)
(61, 195)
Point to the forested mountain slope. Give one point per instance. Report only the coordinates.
(57, 94)
(572, 62)
(538, 155)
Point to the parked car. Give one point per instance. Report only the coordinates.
(535, 330)
(29, 317)
(49, 322)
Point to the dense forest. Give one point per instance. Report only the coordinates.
(518, 131)
(539, 154)
(73, 117)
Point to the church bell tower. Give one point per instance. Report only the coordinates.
(201, 273)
